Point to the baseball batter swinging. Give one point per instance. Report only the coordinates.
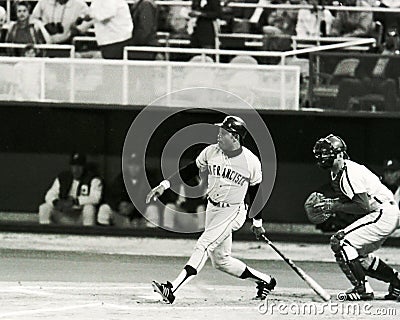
(358, 191)
(231, 170)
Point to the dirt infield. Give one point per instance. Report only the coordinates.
(74, 277)
(257, 250)
(63, 300)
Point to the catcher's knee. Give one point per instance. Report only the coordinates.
(339, 246)
(336, 241)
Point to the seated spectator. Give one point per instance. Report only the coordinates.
(74, 196)
(313, 22)
(145, 20)
(275, 40)
(283, 19)
(354, 23)
(118, 209)
(177, 21)
(23, 30)
(391, 177)
(26, 77)
(3, 19)
(112, 26)
(60, 17)
(203, 26)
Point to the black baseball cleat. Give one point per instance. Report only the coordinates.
(165, 290)
(264, 289)
(394, 293)
(358, 294)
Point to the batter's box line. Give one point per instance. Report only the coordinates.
(172, 307)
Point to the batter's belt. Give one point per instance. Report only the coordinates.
(218, 204)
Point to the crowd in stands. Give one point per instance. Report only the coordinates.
(117, 23)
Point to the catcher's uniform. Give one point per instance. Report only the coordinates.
(228, 181)
(369, 232)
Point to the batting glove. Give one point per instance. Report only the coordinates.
(155, 193)
(257, 229)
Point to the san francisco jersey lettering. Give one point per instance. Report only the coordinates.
(229, 177)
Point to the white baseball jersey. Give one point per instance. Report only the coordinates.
(229, 177)
(357, 178)
(369, 232)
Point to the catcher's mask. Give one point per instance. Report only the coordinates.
(326, 150)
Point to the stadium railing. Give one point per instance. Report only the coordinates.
(256, 41)
(142, 82)
(219, 52)
(50, 47)
(163, 38)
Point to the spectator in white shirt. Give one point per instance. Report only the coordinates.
(3, 20)
(113, 26)
(313, 22)
(59, 17)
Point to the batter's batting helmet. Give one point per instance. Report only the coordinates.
(235, 125)
(326, 149)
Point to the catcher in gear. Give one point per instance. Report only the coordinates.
(357, 192)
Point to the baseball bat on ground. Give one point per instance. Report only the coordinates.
(310, 281)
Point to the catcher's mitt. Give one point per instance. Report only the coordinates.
(318, 208)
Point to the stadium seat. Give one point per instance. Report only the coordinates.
(244, 60)
(344, 68)
(201, 59)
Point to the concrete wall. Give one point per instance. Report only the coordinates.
(36, 140)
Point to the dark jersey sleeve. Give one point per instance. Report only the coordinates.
(254, 200)
(359, 205)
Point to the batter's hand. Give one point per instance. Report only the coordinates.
(258, 231)
(155, 193)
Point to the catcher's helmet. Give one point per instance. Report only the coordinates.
(326, 149)
(234, 124)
